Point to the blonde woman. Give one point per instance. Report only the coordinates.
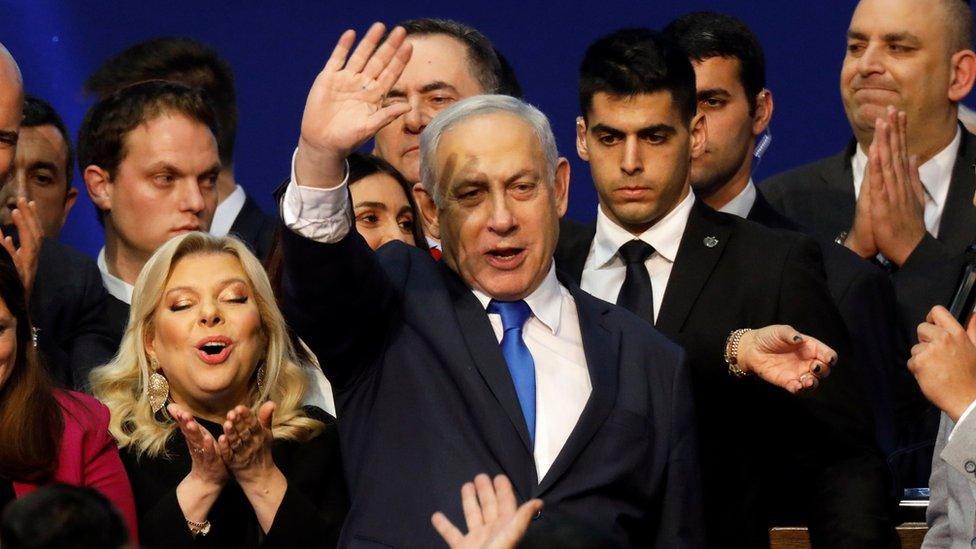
(205, 395)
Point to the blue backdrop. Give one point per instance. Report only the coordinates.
(276, 48)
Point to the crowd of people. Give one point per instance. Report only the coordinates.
(419, 349)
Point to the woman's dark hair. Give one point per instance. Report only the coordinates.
(30, 417)
(362, 166)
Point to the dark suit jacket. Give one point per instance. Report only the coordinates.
(116, 318)
(768, 457)
(67, 305)
(866, 300)
(425, 401)
(255, 228)
(820, 196)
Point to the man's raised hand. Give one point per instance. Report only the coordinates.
(345, 108)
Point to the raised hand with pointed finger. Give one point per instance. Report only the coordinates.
(345, 107)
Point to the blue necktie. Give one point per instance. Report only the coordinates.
(517, 356)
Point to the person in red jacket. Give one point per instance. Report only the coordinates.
(49, 435)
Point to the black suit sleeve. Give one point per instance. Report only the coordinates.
(68, 306)
(90, 343)
(832, 433)
(338, 299)
(682, 520)
(929, 277)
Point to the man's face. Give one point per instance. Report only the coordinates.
(165, 185)
(500, 216)
(897, 54)
(731, 128)
(11, 111)
(40, 174)
(437, 75)
(640, 153)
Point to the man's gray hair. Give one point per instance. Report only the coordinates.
(479, 105)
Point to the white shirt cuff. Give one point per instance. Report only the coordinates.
(322, 215)
(962, 418)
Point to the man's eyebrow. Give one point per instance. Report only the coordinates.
(657, 128)
(713, 92)
(522, 173)
(856, 35)
(42, 165)
(605, 129)
(9, 136)
(368, 204)
(903, 36)
(438, 85)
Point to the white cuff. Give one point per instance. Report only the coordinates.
(322, 215)
(962, 418)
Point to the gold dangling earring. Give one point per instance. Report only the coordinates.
(158, 387)
(261, 378)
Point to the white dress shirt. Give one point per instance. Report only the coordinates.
(552, 333)
(227, 211)
(936, 174)
(741, 205)
(562, 381)
(118, 288)
(604, 271)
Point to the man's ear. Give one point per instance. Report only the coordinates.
(581, 148)
(99, 185)
(560, 185)
(69, 202)
(764, 112)
(963, 75)
(699, 135)
(428, 209)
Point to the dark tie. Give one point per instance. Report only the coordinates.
(517, 356)
(636, 295)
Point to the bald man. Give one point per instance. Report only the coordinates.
(908, 65)
(67, 299)
(11, 101)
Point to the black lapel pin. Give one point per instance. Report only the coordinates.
(710, 241)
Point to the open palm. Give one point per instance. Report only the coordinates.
(345, 108)
(492, 515)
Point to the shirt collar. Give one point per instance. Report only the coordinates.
(664, 236)
(227, 212)
(741, 205)
(546, 301)
(936, 174)
(116, 287)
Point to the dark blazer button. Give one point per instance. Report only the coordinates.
(538, 515)
(971, 466)
(973, 543)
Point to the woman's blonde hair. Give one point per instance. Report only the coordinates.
(123, 383)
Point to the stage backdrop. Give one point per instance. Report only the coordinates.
(276, 48)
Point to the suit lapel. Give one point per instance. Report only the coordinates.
(601, 346)
(693, 265)
(839, 180)
(485, 351)
(956, 229)
(573, 248)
